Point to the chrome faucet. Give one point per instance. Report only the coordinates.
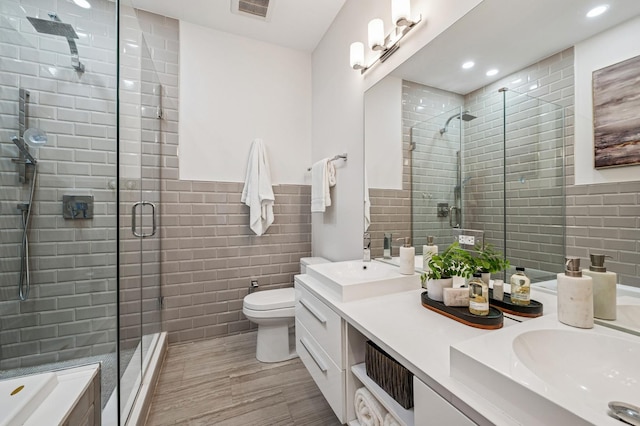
(387, 246)
(366, 252)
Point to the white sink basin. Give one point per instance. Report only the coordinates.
(601, 368)
(544, 372)
(355, 279)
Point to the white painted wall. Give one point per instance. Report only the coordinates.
(338, 117)
(383, 130)
(607, 48)
(234, 89)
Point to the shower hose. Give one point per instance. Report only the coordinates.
(24, 284)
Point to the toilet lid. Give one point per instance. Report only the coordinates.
(271, 299)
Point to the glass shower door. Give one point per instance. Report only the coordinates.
(140, 156)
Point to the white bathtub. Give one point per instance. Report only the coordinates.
(46, 398)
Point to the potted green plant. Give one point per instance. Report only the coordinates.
(489, 260)
(453, 261)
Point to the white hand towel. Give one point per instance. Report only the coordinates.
(258, 192)
(323, 177)
(389, 420)
(368, 410)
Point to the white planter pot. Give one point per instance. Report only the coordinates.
(434, 288)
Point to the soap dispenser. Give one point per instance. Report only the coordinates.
(575, 296)
(604, 288)
(428, 250)
(407, 257)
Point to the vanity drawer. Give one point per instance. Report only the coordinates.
(324, 324)
(327, 375)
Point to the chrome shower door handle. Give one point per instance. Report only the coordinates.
(134, 225)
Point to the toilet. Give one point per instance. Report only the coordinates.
(274, 313)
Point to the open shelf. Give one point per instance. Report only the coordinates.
(404, 416)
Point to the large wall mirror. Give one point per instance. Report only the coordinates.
(450, 148)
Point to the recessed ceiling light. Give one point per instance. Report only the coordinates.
(597, 11)
(83, 3)
(468, 64)
(492, 72)
(516, 81)
(533, 87)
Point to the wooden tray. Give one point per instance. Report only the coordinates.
(532, 310)
(492, 321)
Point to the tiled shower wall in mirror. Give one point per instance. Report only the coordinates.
(599, 217)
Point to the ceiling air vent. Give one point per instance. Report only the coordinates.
(254, 8)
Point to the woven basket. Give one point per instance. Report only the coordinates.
(390, 375)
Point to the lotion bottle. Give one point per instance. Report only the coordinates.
(604, 288)
(478, 296)
(520, 288)
(575, 296)
(407, 257)
(428, 250)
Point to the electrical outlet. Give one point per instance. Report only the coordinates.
(466, 240)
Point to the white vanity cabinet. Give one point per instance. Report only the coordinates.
(432, 409)
(320, 337)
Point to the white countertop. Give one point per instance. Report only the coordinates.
(421, 339)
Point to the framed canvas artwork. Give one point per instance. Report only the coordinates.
(616, 114)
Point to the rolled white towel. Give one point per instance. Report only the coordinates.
(368, 410)
(389, 420)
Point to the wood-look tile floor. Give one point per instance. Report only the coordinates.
(220, 382)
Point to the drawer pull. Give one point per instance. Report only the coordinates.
(313, 311)
(316, 358)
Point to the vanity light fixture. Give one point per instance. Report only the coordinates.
(468, 64)
(597, 11)
(378, 42)
(492, 72)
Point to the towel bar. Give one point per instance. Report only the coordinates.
(336, 157)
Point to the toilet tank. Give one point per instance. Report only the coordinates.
(306, 261)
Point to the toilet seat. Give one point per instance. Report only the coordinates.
(289, 312)
(271, 300)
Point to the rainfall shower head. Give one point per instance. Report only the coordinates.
(56, 27)
(464, 116)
